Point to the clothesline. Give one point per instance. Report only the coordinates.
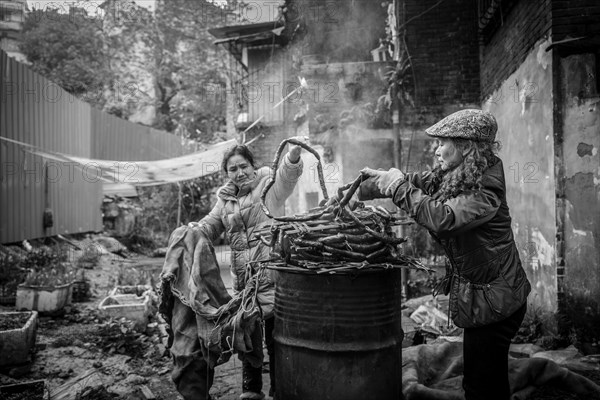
(140, 173)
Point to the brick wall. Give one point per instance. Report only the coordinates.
(509, 44)
(444, 48)
(523, 25)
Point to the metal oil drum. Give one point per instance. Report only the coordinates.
(338, 336)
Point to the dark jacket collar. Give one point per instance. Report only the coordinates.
(493, 177)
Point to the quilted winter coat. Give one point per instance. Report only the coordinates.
(238, 213)
(487, 282)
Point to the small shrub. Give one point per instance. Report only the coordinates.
(132, 277)
(91, 255)
(141, 240)
(47, 268)
(160, 206)
(581, 318)
(11, 274)
(422, 286)
(539, 327)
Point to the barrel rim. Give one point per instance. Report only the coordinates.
(354, 272)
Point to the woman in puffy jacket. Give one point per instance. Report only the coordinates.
(462, 203)
(238, 213)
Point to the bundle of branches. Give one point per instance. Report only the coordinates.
(334, 237)
(340, 239)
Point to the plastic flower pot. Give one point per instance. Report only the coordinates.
(27, 390)
(17, 336)
(128, 306)
(45, 299)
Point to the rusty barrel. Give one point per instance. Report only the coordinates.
(338, 336)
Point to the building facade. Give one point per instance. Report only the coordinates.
(539, 77)
(534, 65)
(12, 16)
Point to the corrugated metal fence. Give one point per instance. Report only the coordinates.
(35, 110)
(116, 139)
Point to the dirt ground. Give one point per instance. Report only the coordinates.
(81, 355)
(107, 356)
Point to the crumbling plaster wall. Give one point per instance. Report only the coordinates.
(523, 107)
(581, 166)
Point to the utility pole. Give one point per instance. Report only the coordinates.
(396, 109)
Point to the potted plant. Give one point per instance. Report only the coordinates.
(11, 275)
(17, 337)
(48, 284)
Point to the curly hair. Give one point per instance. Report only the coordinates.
(468, 174)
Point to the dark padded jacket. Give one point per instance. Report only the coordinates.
(475, 230)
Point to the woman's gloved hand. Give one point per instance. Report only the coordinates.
(379, 184)
(295, 150)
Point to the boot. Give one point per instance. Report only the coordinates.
(251, 382)
(270, 342)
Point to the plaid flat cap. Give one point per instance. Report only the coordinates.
(470, 124)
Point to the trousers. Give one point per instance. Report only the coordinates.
(191, 374)
(252, 376)
(485, 353)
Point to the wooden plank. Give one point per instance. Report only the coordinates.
(147, 392)
(71, 389)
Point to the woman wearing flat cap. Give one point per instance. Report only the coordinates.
(462, 203)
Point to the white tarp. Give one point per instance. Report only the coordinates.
(142, 173)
